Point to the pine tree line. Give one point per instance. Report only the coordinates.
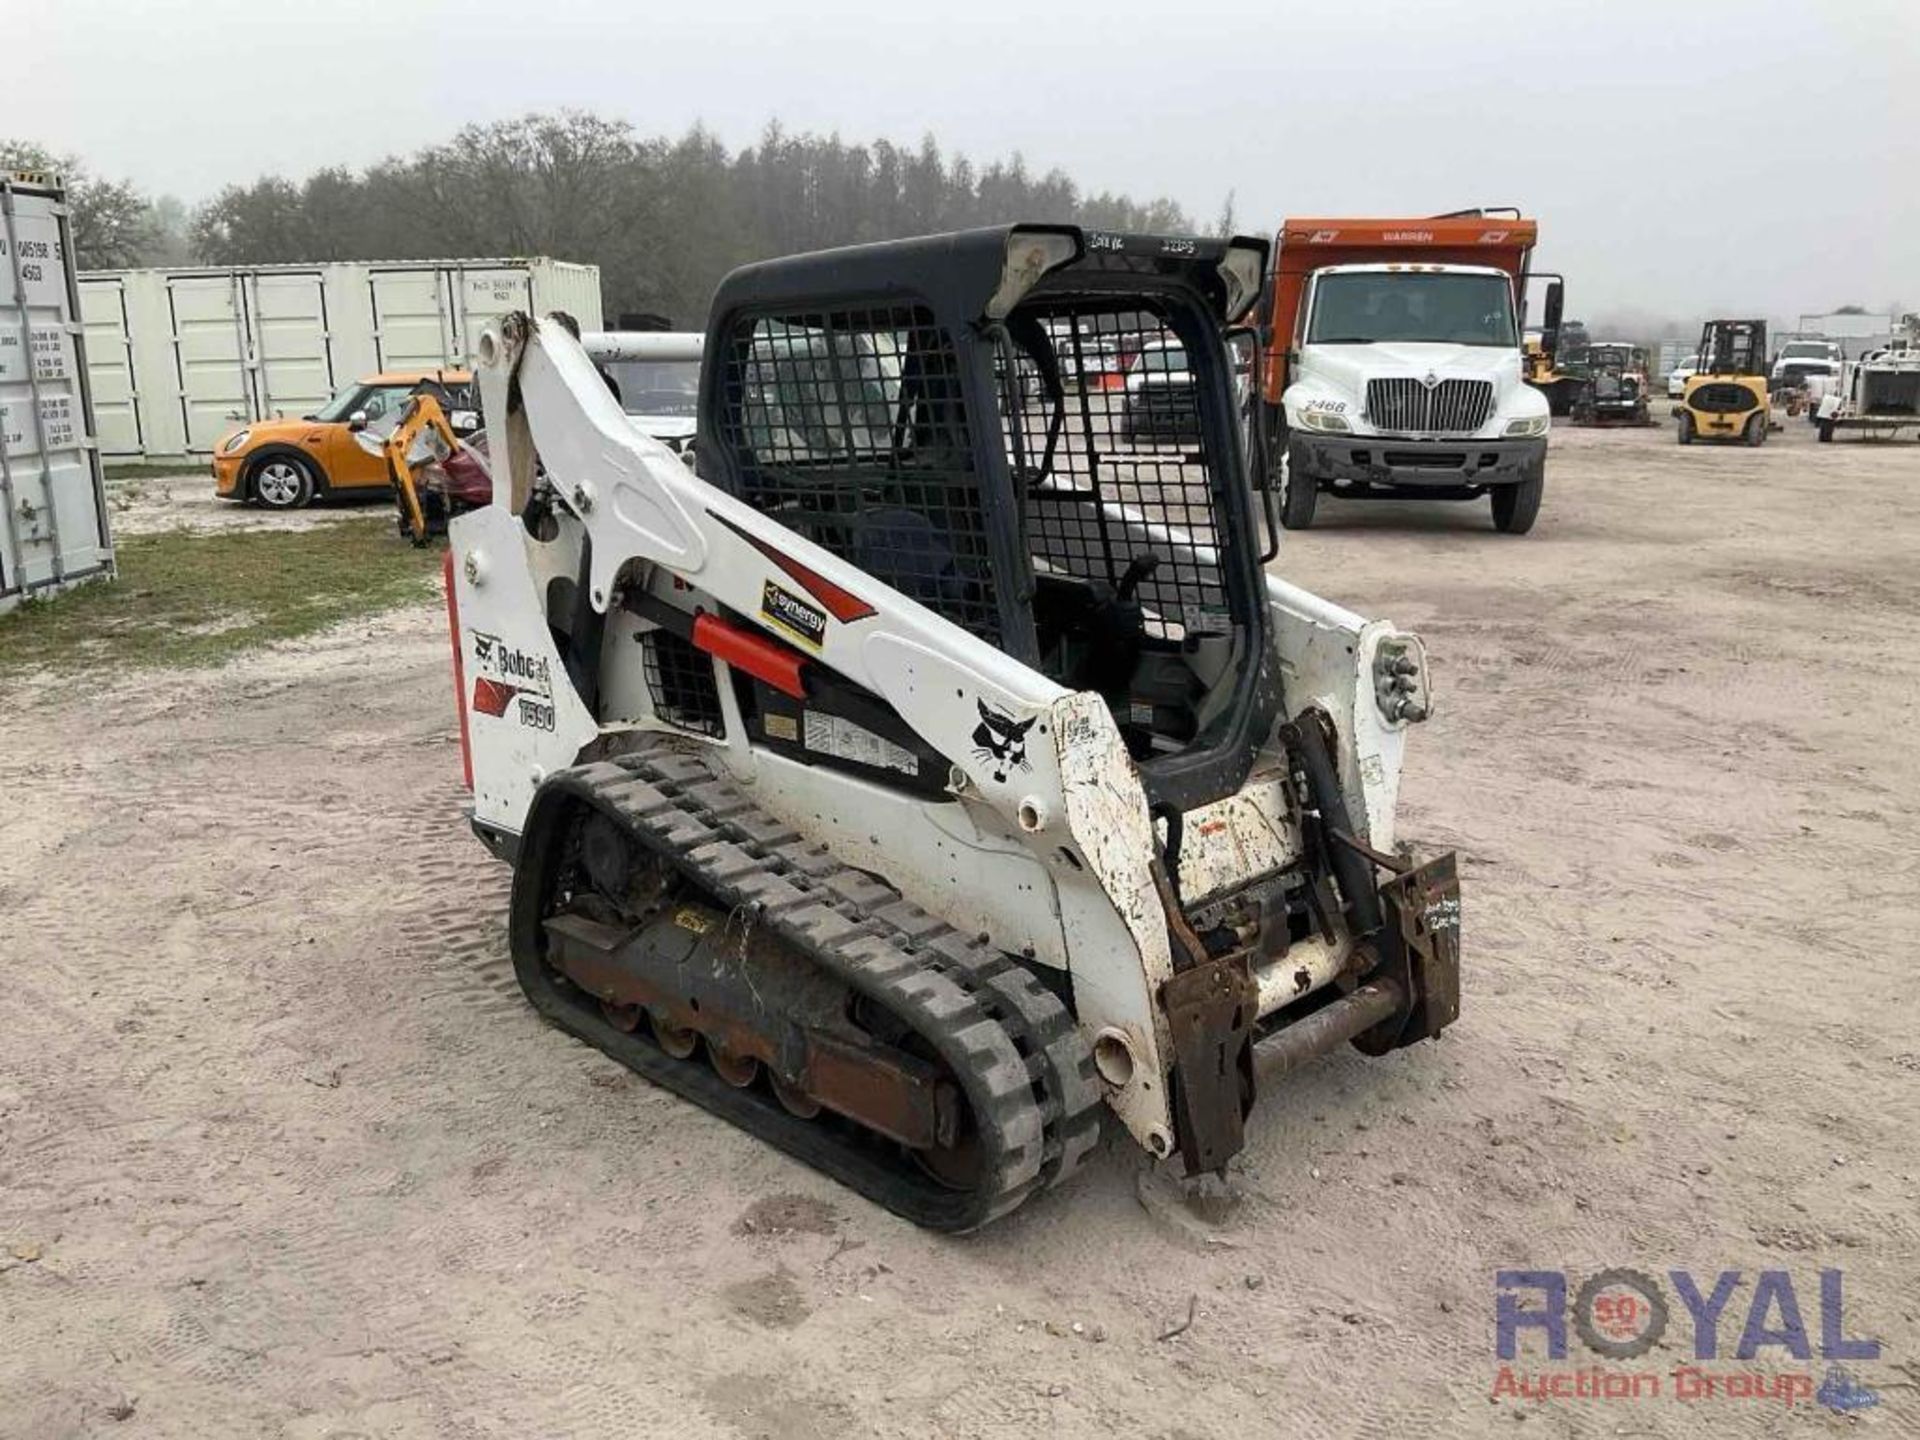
(664, 218)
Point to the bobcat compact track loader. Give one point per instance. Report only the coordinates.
(937, 762)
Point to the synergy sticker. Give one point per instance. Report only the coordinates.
(792, 614)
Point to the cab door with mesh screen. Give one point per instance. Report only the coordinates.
(1122, 506)
(850, 427)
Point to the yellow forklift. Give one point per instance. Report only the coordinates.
(1727, 399)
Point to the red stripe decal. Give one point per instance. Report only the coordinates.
(843, 605)
(490, 697)
(748, 650)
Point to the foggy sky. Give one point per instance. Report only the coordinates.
(1713, 156)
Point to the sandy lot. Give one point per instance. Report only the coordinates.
(283, 1154)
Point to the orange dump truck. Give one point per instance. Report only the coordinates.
(1393, 364)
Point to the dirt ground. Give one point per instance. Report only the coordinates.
(186, 502)
(282, 1153)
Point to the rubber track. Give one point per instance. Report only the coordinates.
(1016, 1052)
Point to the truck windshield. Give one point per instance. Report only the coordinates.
(1360, 308)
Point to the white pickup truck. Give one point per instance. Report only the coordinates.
(1402, 374)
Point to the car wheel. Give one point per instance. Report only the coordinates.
(282, 482)
(1516, 506)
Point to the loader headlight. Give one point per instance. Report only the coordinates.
(235, 441)
(1531, 425)
(1325, 420)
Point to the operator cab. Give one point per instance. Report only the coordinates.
(1033, 432)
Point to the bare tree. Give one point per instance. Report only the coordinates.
(171, 233)
(113, 223)
(1225, 225)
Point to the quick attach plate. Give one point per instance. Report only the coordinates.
(1423, 922)
(1210, 1008)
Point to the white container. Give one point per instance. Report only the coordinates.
(181, 355)
(53, 532)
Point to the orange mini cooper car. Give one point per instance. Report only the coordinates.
(283, 464)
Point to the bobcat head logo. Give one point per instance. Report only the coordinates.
(1001, 741)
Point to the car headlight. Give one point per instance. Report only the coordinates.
(1530, 425)
(1325, 420)
(235, 441)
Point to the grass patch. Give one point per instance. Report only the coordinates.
(195, 599)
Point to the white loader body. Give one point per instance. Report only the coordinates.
(1049, 856)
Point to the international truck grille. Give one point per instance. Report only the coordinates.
(1407, 405)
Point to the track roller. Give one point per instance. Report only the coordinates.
(736, 1069)
(679, 1041)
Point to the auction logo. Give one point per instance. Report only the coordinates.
(1621, 1314)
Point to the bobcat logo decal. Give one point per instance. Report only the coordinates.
(1001, 741)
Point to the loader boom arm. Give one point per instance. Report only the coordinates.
(641, 507)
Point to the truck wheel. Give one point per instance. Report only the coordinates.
(1298, 494)
(1756, 431)
(1826, 430)
(1686, 427)
(1516, 506)
(282, 482)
